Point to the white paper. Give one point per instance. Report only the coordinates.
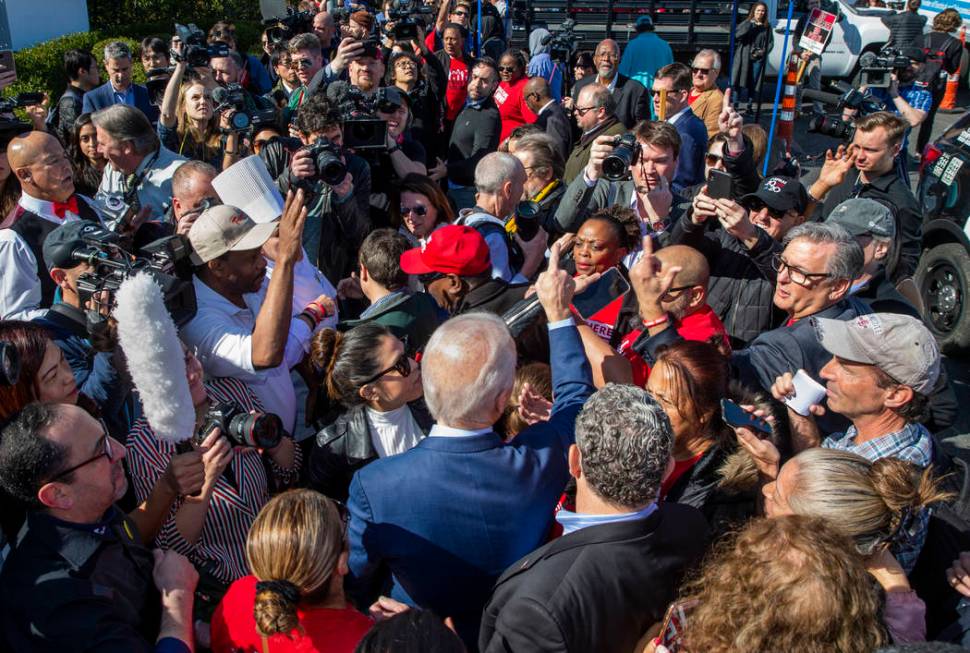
(808, 392)
(247, 185)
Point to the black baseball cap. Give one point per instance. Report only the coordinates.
(60, 244)
(780, 194)
(913, 53)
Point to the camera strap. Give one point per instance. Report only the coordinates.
(134, 181)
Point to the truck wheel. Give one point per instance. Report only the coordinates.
(943, 279)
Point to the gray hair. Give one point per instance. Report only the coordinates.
(716, 58)
(625, 439)
(848, 260)
(545, 152)
(600, 97)
(117, 50)
(494, 170)
(125, 123)
(236, 59)
(468, 363)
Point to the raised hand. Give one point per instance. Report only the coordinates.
(651, 280)
(291, 227)
(704, 207)
(836, 167)
(658, 200)
(555, 288)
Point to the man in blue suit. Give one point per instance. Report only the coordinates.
(119, 89)
(437, 525)
(673, 82)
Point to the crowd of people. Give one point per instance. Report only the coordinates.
(487, 351)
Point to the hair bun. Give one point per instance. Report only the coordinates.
(275, 607)
(324, 351)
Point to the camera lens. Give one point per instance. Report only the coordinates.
(330, 168)
(616, 166)
(263, 431)
(241, 120)
(527, 220)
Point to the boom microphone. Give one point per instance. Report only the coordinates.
(148, 339)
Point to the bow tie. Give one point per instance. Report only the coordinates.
(70, 205)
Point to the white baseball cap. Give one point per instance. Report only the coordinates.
(224, 228)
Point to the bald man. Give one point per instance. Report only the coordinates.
(47, 201)
(632, 99)
(551, 116)
(191, 188)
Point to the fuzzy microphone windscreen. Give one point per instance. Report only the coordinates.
(149, 341)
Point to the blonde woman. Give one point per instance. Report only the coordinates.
(294, 599)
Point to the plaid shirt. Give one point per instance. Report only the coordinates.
(912, 444)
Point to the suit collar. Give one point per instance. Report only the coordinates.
(469, 444)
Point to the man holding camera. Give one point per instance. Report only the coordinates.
(595, 114)
(642, 166)
(867, 169)
(338, 210)
(119, 89)
(47, 201)
(229, 72)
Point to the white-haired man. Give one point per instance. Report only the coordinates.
(448, 516)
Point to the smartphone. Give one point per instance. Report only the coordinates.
(6, 61)
(674, 623)
(720, 185)
(600, 293)
(734, 415)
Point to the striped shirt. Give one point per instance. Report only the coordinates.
(233, 506)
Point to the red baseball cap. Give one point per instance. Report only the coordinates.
(452, 249)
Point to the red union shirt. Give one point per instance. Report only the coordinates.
(457, 89)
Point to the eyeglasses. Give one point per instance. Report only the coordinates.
(301, 63)
(755, 205)
(700, 71)
(402, 366)
(581, 111)
(673, 293)
(713, 159)
(429, 278)
(104, 451)
(797, 276)
(460, 13)
(416, 210)
(507, 69)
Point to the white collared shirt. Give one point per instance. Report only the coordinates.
(155, 190)
(674, 118)
(441, 431)
(222, 334)
(574, 521)
(20, 293)
(545, 106)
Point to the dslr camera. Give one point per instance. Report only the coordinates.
(832, 125)
(328, 166)
(401, 14)
(244, 429)
(195, 51)
(166, 260)
(876, 71)
(282, 28)
(626, 152)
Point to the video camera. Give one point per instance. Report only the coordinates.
(563, 43)
(195, 51)
(401, 14)
(12, 127)
(851, 98)
(244, 429)
(282, 28)
(233, 96)
(166, 260)
(7, 105)
(362, 129)
(876, 70)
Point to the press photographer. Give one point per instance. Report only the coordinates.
(338, 186)
(140, 168)
(189, 125)
(47, 200)
(229, 73)
(256, 78)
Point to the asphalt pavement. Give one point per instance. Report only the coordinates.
(809, 148)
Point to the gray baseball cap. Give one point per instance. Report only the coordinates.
(223, 228)
(860, 216)
(899, 345)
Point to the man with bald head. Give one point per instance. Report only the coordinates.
(191, 189)
(632, 99)
(47, 201)
(550, 114)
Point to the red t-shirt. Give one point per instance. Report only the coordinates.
(702, 325)
(512, 106)
(325, 630)
(692, 96)
(603, 321)
(457, 89)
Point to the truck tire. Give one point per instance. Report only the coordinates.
(943, 279)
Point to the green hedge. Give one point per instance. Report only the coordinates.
(41, 67)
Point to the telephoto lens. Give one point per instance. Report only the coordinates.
(261, 430)
(527, 220)
(616, 166)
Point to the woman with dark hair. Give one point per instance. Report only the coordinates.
(88, 162)
(293, 599)
(509, 95)
(411, 631)
(422, 208)
(689, 379)
(753, 43)
(380, 413)
(424, 83)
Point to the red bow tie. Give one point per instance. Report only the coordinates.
(69, 205)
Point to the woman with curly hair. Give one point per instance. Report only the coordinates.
(786, 584)
(294, 598)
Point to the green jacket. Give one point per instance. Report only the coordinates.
(412, 316)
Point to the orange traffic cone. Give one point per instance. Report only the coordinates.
(786, 117)
(949, 102)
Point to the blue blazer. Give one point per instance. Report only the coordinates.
(693, 147)
(437, 525)
(103, 97)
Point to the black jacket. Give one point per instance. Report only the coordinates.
(632, 98)
(892, 191)
(905, 28)
(554, 120)
(475, 133)
(493, 296)
(597, 589)
(344, 446)
(65, 113)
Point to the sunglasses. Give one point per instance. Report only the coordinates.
(460, 13)
(104, 451)
(712, 159)
(402, 366)
(754, 205)
(301, 63)
(581, 111)
(429, 278)
(507, 69)
(416, 210)
(700, 71)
